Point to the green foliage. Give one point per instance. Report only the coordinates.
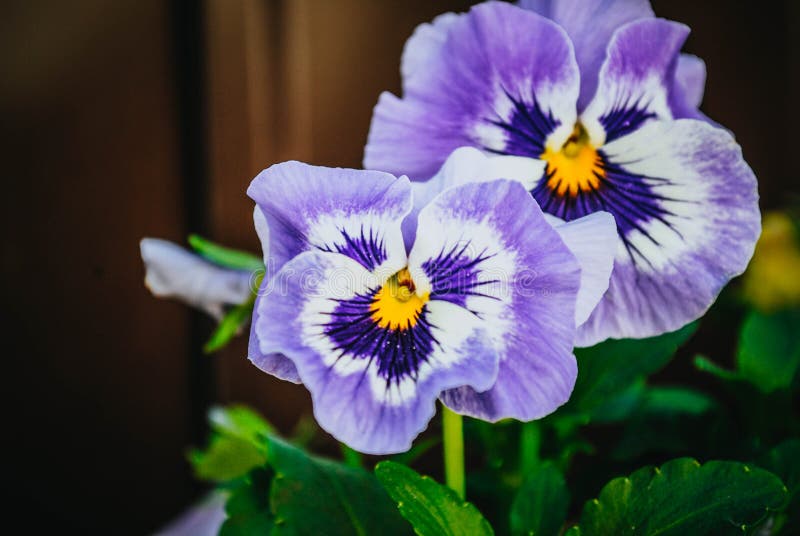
(683, 497)
(768, 352)
(784, 461)
(225, 256)
(540, 506)
(315, 496)
(415, 452)
(663, 422)
(230, 325)
(769, 349)
(241, 422)
(248, 507)
(237, 445)
(237, 317)
(277, 487)
(225, 459)
(704, 364)
(431, 508)
(518, 481)
(611, 375)
(675, 401)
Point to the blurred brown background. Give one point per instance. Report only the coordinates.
(141, 118)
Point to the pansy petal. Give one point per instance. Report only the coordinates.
(593, 240)
(690, 79)
(354, 212)
(590, 25)
(486, 247)
(635, 79)
(424, 46)
(505, 81)
(174, 272)
(204, 518)
(262, 231)
(688, 220)
(688, 88)
(465, 165)
(373, 388)
(275, 364)
(272, 363)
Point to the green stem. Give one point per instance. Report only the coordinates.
(351, 457)
(453, 436)
(529, 443)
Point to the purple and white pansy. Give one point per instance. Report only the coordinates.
(381, 305)
(597, 96)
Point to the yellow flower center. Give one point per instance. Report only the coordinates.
(576, 167)
(396, 305)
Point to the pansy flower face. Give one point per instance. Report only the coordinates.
(475, 301)
(602, 101)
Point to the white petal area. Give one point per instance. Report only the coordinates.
(354, 212)
(262, 230)
(454, 329)
(635, 80)
(675, 265)
(486, 247)
(495, 278)
(174, 272)
(593, 240)
(466, 165)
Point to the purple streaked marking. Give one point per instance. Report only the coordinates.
(356, 334)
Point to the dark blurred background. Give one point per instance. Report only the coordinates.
(140, 118)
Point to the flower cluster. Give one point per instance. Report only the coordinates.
(381, 304)
(546, 181)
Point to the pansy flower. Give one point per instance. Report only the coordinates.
(599, 97)
(379, 306)
(174, 272)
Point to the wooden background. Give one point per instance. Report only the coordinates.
(141, 118)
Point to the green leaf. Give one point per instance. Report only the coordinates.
(226, 458)
(240, 422)
(667, 401)
(233, 321)
(248, 506)
(684, 497)
(224, 256)
(540, 506)
(310, 495)
(238, 444)
(704, 364)
(432, 509)
(611, 368)
(769, 349)
(230, 325)
(784, 461)
(621, 405)
(668, 420)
